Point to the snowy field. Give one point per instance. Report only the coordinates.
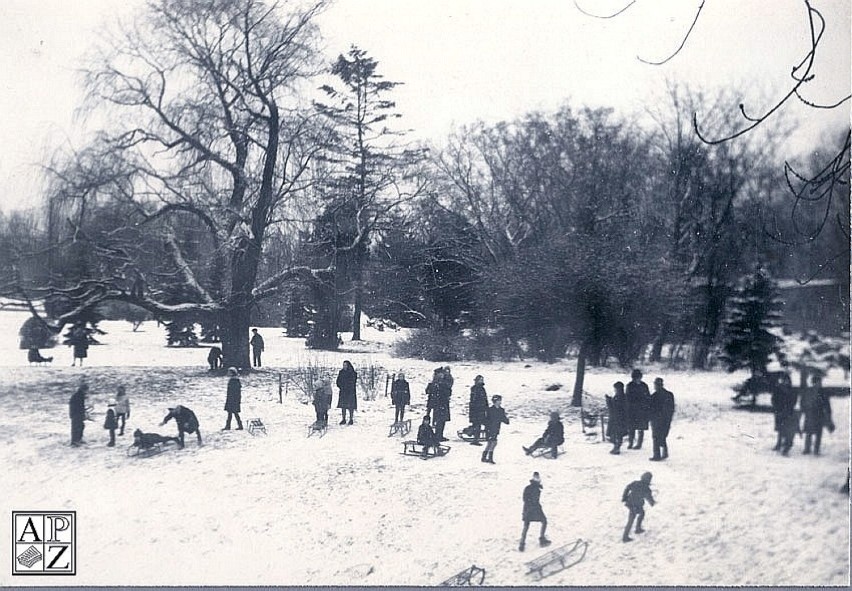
(350, 509)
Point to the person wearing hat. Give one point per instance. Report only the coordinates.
(110, 423)
(426, 437)
(77, 413)
(400, 396)
(662, 411)
(533, 512)
(553, 436)
(616, 426)
(233, 399)
(634, 498)
(494, 417)
(256, 343)
(477, 408)
(638, 399)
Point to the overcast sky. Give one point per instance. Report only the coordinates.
(460, 60)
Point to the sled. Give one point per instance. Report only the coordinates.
(412, 448)
(135, 451)
(466, 435)
(317, 429)
(256, 427)
(544, 452)
(469, 577)
(590, 421)
(400, 427)
(558, 560)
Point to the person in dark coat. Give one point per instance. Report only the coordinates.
(34, 356)
(553, 437)
(477, 408)
(400, 397)
(110, 422)
(256, 343)
(662, 411)
(533, 512)
(77, 414)
(214, 358)
(322, 402)
(495, 417)
(441, 410)
(186, 422)
(817, 411)
(433, 392)
(232, 402)
(786, 418)
(426, 437)
(638, 399)
(617, 426)
(634, 498)
(80, 344)
(347, 400)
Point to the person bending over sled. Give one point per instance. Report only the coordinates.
(186, 421)
(553, 437)
(634, 498)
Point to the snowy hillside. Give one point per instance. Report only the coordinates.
(348, 508)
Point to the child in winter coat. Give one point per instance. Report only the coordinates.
(634, 498)
(400, 397)
(322, 402)
(110, 423)
(122, 408)
(553, 437)
(533, 511)
(493, 419)
(426, 437)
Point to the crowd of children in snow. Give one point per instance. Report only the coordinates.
(631, 410)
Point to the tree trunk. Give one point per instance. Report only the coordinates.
(657, 347)
(356, 315)
(577, 397)
(235, 337)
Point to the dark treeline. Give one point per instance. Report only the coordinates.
(238, 180)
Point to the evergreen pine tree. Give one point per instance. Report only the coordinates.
(755, 309)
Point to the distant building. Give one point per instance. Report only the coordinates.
(821, 305)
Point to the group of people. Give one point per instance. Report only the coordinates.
(815, 407)
(632, 408)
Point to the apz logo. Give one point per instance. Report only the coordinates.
(43, 543)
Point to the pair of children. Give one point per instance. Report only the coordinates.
(117, 414)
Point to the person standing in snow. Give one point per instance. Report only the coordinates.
(638, 399)
(110, 422)
(441, 410)
(634, 499)
(322, 402)
(256, 343)
(77, 414)
(122, 408)
(80, 344)
(233, 399)
(617, 426)
(347, 399)
(532, 512)
(433, 392)
(662, 411)
(494, 418)
(786, 417)
(817, 411)
(553, 437)
(400, 397)
(477, 408)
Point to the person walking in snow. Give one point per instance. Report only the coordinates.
(662, 411)
(77, 414)
(256, 343)
(634, 498)
(817, 410)
(494, 418)
(617, 426)
(122, 408)
(638, 399)
(553, 437)
(400, 397)
(347, 399)
(110, 422)
(532, 512)
(233, 399)
(477, 408)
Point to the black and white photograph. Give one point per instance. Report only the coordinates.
(434, 293)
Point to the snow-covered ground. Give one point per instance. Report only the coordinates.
(350, 509)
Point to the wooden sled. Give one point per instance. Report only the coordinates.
(412, 448)
(557, 560)
(317, 429)
(256, 427)
(544, 452)
(589, 422)
(469, 577)
(400, 428)
(134, 451)
(466, 435)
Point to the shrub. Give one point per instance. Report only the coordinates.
(478, 345)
